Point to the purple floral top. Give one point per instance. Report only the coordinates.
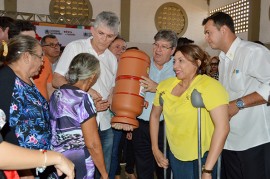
(69, 108)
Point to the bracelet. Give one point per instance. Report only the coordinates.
(206, 171)
(41, 169)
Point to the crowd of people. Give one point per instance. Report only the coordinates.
(55, 106)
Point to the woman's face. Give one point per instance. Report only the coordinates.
(184, 68)
(118, 47)
(36, 61)
(214, 65)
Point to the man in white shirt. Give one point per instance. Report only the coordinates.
(104, 30)
(244, 72)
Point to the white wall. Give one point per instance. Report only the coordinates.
(265, 22)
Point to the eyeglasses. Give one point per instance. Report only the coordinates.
(52, 45)
(162, 47)
(213, 64)
(38, 56)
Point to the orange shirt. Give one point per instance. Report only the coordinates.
(44, 77)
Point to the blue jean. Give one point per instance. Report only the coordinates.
(106, 138)
(187, 169)
(117, 135)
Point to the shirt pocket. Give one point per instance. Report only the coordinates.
(236, 82)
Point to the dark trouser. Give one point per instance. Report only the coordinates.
(253, 163)
(130, 159)
(144, 158)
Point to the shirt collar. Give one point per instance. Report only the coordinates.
(231, 52)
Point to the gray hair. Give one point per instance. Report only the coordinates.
(167, 35)
(17, 46)
(82, 67)
(109, 19)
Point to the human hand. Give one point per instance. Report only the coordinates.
(65, 166)
(122, 126)
(101, 105)
(160, 159)
(129, 136)
(148, 84)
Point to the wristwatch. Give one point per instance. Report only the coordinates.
(205, 170)
(240, 103)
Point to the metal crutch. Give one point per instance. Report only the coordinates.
(197, 102)
(164, 140)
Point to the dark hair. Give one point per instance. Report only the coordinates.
(167, 35)
(134, 48)
(43, 40)
(193, 52)
(7, 22)
(16, 46)
(82, 67)
(259, 42)
(220, 19)
(116, 38)
(21, 26)
(184, 41)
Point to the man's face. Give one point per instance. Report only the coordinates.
(51, 48)
(213, 35)
(118, 47)
(162, 52)
(102, 37)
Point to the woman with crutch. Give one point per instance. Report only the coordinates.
(181, 117)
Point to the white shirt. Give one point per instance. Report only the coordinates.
(243, 70)
(106, 80)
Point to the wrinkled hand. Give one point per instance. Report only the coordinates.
(101, 105)
(160, 159)
(148, 84)
(65, 166)
(129, 136)
(121, 126)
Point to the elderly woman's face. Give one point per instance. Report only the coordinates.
(184, 68)
(36, 61)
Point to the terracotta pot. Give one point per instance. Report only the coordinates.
(128, 98)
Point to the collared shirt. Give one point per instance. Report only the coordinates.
(244, 70)
(156, 75)
(106, 80)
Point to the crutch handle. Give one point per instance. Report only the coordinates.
(196, 99)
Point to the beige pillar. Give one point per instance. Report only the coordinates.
(125, 19)
(254, 20)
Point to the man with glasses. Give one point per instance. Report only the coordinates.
(51, 48)
(161, 68)
(104, 30)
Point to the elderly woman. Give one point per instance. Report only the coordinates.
(26, 109)
(173, 97)
(73, 118)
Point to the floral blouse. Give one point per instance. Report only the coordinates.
(29, 116)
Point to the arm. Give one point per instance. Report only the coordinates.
(58, 80)
(92, 142)
(154, 127)
(14, 157)
(50, 89)
(250, 100)
(220, 119)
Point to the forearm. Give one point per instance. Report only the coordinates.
(216, 147)
(252, 99)
(97, 155)
(14, 157)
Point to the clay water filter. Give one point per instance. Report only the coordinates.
(128, 97)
